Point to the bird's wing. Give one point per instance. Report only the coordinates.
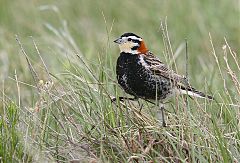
(160, 69)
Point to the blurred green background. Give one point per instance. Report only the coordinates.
(89, 23)
(186, 19)
(64, 28)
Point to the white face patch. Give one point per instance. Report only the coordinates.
(127, 47)
(129, 44)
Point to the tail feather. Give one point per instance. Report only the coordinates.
(195, 93)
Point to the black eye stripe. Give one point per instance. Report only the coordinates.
(133, 40)
(137, 41)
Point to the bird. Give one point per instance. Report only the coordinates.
(143, 75)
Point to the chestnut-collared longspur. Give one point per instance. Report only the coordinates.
(141, 74)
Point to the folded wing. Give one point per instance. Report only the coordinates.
(160, 69)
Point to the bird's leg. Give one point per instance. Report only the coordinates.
(163, 119)
(140, 105)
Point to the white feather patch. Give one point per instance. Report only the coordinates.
(142, 62)
(133, 38)
(184, 92)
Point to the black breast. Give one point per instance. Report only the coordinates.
(139, 81)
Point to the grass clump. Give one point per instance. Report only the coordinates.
(74, 119)
(11, 147)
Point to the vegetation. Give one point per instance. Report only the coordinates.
(57, 76)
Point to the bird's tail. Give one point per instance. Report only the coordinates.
(195, 93)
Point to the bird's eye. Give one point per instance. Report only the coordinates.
(129, 39)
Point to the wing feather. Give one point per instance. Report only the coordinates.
(160, 69)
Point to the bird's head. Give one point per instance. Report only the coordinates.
(131, 43)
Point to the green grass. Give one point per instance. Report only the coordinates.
(63, 112)
(11, 147)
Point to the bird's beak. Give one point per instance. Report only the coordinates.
(118, 41)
